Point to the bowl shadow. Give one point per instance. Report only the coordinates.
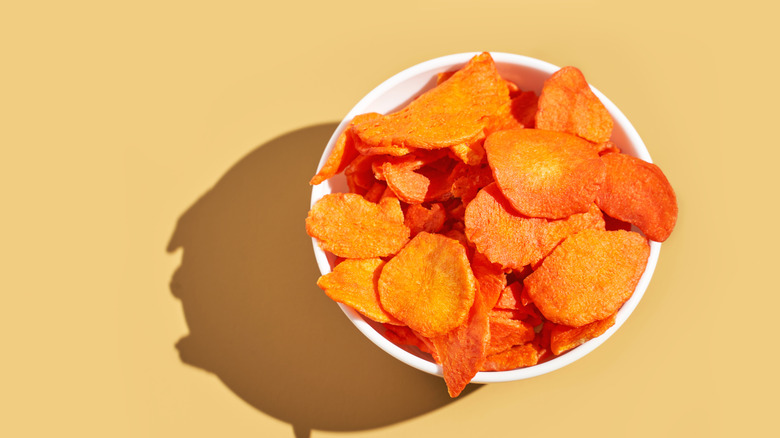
(257, 320)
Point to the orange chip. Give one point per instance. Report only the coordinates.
(374, 194)
(341, 221)
(354, 282)
(514, 240)
(506, 333)
(467, 180)
(510, 297)
(517, 113)
(462, 351)
(563, 338)
(403, 335)
(521, 356)
(588, 276)
(369, 119)
(460, 237)
(637, 192)
(419, 218)
(543, 340)
(391, 209)
(527, 313)
(342, 154)
(490, 277)
(454, 112)
(417, 186)
(567, 104)
(471, 154)
(441, 77)
(544, 173)
(360, 177)
(428, 285)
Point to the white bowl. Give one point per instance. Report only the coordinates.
(397, 92)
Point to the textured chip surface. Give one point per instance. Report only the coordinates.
(341, 221)
(514, 240)
(563, 338)
(588, 276)
(638, 192)
(354, 282)
(544, 173)
(462, 351)
(567, 104)
(454, 112)
(429, 284)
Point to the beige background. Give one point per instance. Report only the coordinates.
(155, 158)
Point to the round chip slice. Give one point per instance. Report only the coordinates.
(454, 112)
(354, 283)
(638, 192)
(544, 173)
(428, 285)
(588, 276)
(350, 226)
(567, 104)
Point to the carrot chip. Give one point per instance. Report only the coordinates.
(420, 218)
(428, 285)
(567, 104)
(462, 351)
(505, 333)
(520, 356)
(403, 335)
(341, 221)
(415, 186)
(454, 112)
(354, 282)
(563, 338)
(589, 276)
(638, 192)
(513, 240)
(544, 173)
(342, 155)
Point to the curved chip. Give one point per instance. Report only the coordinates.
(454, 112)
(520, 356)
(417, 186)
(513, 240)
(544, 173)
(490, 277)
(467, 180)
(505, 333)
(462, 351)
(567, 104)
(563, 338)
(638, 192)
(341, 221)
(354, 282)
(342, 154)
(428, 285)
(359, 174)
(403, 335)
(588, 276)
(520, 112)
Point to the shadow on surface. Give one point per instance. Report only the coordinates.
(257, 320)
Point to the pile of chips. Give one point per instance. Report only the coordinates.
(487, 226)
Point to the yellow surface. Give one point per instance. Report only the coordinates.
(155, 158)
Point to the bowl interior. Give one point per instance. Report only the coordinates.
(397, 92)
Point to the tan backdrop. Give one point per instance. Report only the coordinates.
(157, 279)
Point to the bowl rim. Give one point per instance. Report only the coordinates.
(448, 63)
